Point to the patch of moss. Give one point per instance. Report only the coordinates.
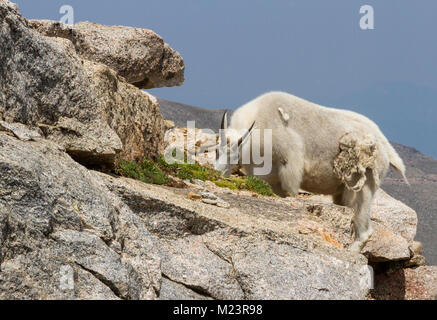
(233, 183)
(225, 184)
(158, 172)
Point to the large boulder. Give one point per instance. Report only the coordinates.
(85, 106)
(139, 55)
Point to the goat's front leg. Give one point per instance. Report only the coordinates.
(290, 174)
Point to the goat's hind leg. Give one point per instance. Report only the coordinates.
(360, 202)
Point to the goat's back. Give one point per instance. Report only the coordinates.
(317, 128)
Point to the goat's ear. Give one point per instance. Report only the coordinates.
(243, 139)
(223, 127)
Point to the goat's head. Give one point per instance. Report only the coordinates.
(228, 150)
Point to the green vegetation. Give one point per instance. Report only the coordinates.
(233, 183)
(259, 186)
(253, 184)
(146, 171)
(158, 172)
(187, 171)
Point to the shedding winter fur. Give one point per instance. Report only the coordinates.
(314, 148)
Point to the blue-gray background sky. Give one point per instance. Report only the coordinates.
(315, 49)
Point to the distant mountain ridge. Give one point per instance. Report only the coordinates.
(181, 113)
(421, 172)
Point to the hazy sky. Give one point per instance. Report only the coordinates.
(236, 50)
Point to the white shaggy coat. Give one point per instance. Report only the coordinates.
(305, 145)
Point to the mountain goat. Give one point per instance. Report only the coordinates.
(314, 148)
